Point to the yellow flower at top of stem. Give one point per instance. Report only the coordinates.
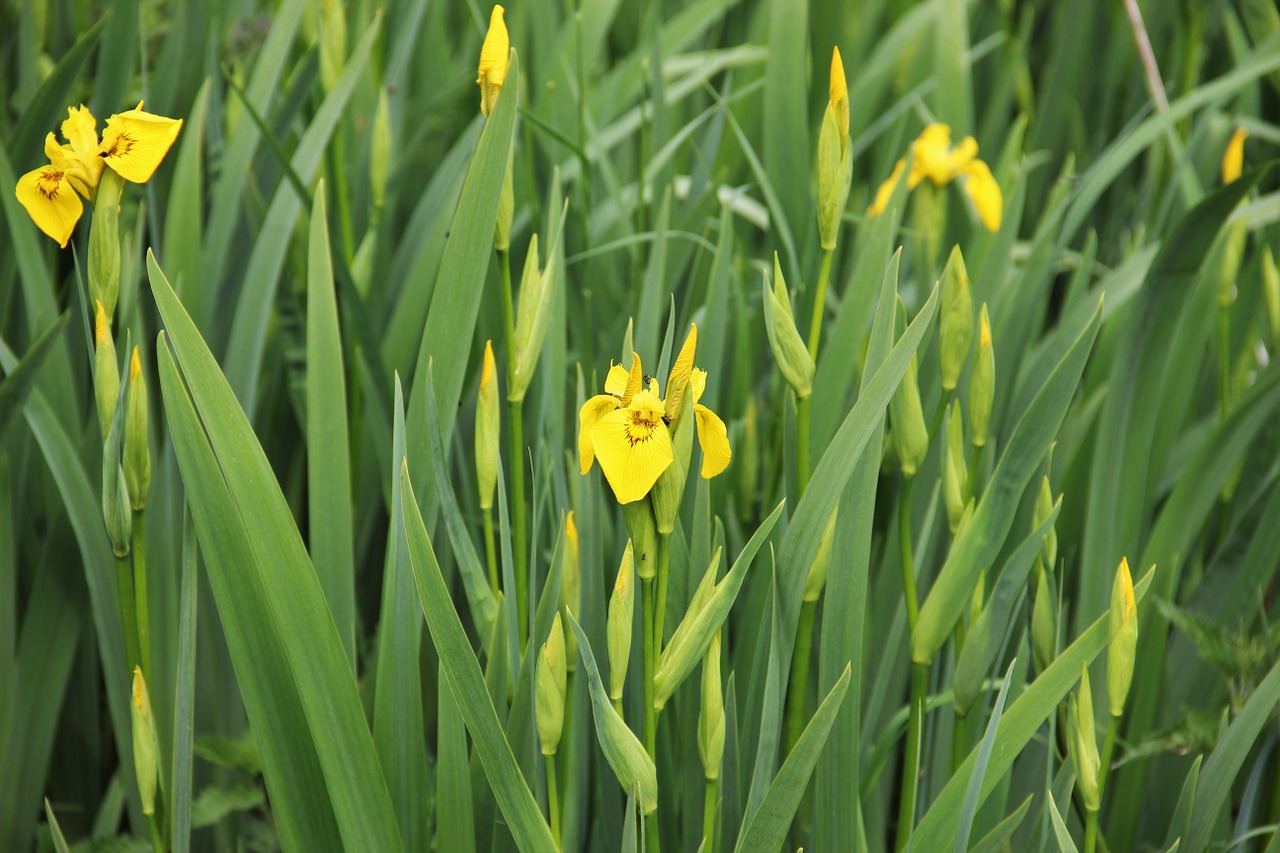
(629, 427)
(933, 157)
(495, 56)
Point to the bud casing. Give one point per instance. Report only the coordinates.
(618, 626)
(146, 744)
(982, 383)
(1083, 744)
(488, 418)
(835, 157)
(788, 347)
(551, 686)
(955, 474)
(821, 566)
(104, 261)
(910, 433)
(571, 582)
(106, 370)
(137, 453)
(1122, 639)
(711, 715)
(956, 323)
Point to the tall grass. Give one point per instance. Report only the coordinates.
(869, 632)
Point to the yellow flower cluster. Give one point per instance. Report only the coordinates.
(933, 157)
(133, 144)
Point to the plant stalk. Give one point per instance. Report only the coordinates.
(660, 608)
(141, 613)
(490, 551)
(919, 675)
(802, 445)
(553, 798)
(128, 616)
(517, 454)
(650, 664)
(709, 816)
(798, 691)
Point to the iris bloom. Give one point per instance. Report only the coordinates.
(1233, 157)
(133, 144)
(495, 55)
(628, 428)
(933, 157)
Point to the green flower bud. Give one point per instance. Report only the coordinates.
(978, 598)
(956, 324)
(551, 686)
(1083, 744)
(137, 453)
(106, 370)
(506, 207)
(821, 565)
(982, 382)
(380, 151)
(618, 626)
(643, 530)
(533, 314)
(104, 243)
(1271, 290)
(835, 158)
(711, 717)
(910, 433)
(1044, 629)
(115, 505)
(333, 42)
(955, 474)
(1122, 642)
(488, 418)
(146, 744)
(788, 347)
(571, 582)
(1044, 508)
(689, 642)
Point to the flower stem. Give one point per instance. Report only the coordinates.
(517, 453)
(660, 608)
(650, 720)
(959, 742)
(819, 304)
(157, 837)
(908, 566)
(553, 798)
(709, 817)
(911, 757)
(1090, 832)
(1108, 747)
(128, 617)
(802, 445)
(490, 551)
(797, 694)
(802, 404)
(140, 591)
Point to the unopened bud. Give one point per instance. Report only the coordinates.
(137, 452)
(1233, 157)
(487, 424)
(146, 744)
(821, 565)
(955, 474)
(835, 157)
(711, 717)
(1083, 744)
(106, 370)
(788, 347)
(643, 530)
(982, 382)
(571, 582)
(333, 42)
(380, 151)
(1044, 630)
(956, 323)
(689, 641)
(910, 433)
(618, 626)
(1043, 509)
(104, 243)
(552, 684)
(1122, 643)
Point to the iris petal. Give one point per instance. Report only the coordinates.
(590, 414)
(47, 195)
(634, 447)
(134, 142)
(714, 439)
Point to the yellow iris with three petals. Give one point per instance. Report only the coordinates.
(133, 144)
(628, 428)
(933, 157)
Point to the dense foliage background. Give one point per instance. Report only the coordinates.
(322, 231)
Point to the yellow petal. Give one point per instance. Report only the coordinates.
(886, 190)
(680, 370)
(134, 142)
(635, 379)
(634, 447)
(931, 156)
(839, 91)
(963, 154)
(81, 132)
(616, 382)
(100, 327)
(495, 55)
(47, 195)
(698, 382)
(592, 411)
(714, 439)
(982, 188)
(1233, 158)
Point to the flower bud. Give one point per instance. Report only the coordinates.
(1122, 642)
(978, 597)
(910, 433)
(982, 382)
(955, 474)
(495, 56)
(1271, 290)
(104, 243)
(552, 684)
(106, 370)
(146, 744)
(669, 490)
(533, 314)
(618, 626)
(115, 503)
(835, 157)
(821, 565)
(1044, 629)
(380, 151)
(1233, 157)
(571, 582)
(643, 530)
(788, 347)
(506, 207)
(488, 419)
(689, 641)
(1083, 744)
(1043, 509)
(711, 717)
(956, 324)
(137, 453)
(333, 42)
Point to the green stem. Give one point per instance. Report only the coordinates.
(660, 608)
(617, 706)
(157, 837)
(1224, 359)
(959, 742)
(490, 550)
(908, 567)
(798, 692)
(140, 591)
(971, 480)
(943, 402)
(517, 453)
(1108, 747)
(802, 445)
(709, 817)
(553, 798)
(911, 757)
(128, 618)
(819, 304)
(1090, 832)
(650, 720)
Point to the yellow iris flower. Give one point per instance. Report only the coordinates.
(495, 56)
(133, 145)
(1233, 157)
(933, 157)
(628, 428)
